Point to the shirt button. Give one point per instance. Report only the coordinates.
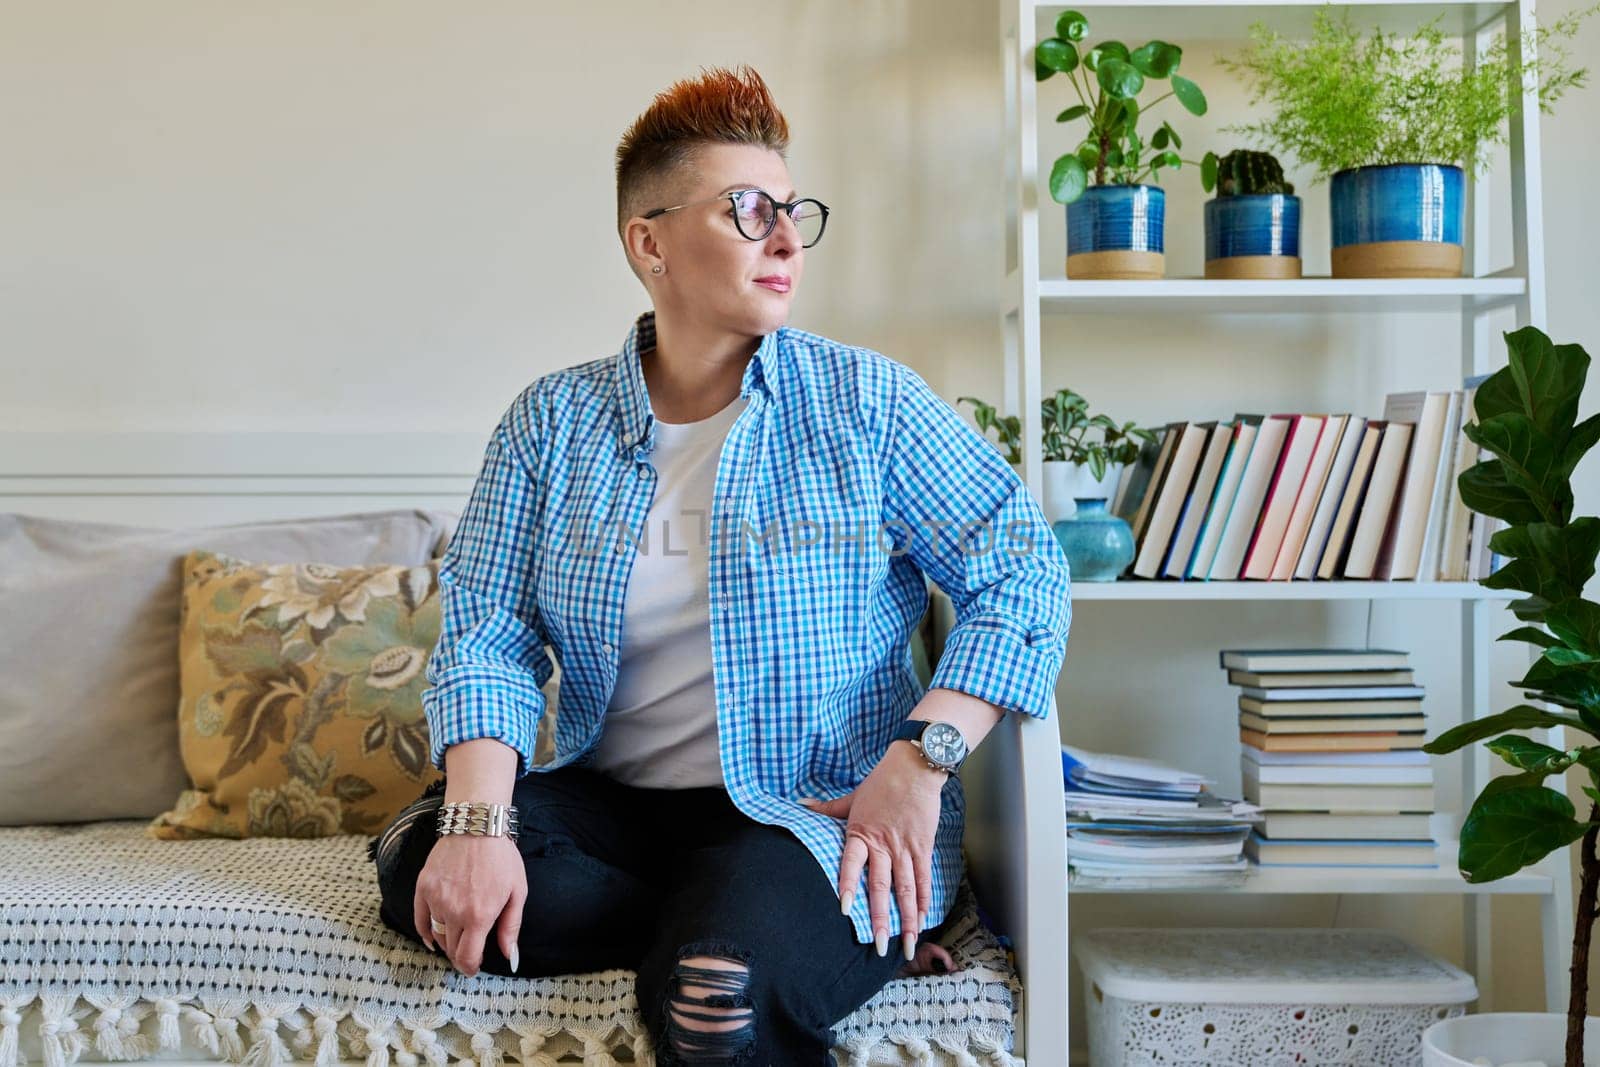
(607, 648)
(644, 472)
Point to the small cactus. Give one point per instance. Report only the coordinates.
(1243, 173)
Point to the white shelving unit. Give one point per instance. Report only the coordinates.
(1032, 289)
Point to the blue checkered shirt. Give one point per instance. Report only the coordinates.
(844, 485)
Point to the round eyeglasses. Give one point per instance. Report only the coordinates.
(755, 213)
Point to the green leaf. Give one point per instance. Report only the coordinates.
(1089, 155)
(1068, 179)
(1484, 489)
(1549, 379)
(1156, 59)
(1169, 159)
(1208, 172)
(1189, 95)
(1076, 111)
(1577, 622)
(1177, 142)
(1572, 684)
(1592, 793)
(1508, 830)
(1526, 754)
(1072, 25)
(1521, 717)
(1531, 634)
(1526, 454)
(1119, 78)
(1056, 54)
(1103, 51)
(1159, 139)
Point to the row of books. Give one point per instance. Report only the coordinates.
(1331, 753)
(1311, 496)
(1137, 824)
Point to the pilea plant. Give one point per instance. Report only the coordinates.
(1243, 173)
(1108, 79)
(1527, 417)
(1066, 424)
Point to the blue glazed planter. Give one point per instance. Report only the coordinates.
(1402, 220)
(1098, 544)
(1253, 236)
(1117, 231)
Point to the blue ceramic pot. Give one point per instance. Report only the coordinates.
(1253, 236)
(1098, 544)
(1117, 231)
(1402, 220)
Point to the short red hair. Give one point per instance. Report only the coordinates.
(719, 107)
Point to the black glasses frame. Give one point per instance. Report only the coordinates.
(732, 196)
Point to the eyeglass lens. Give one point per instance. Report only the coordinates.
(755, 213)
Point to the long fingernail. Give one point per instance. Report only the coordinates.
(922, 921)
(881, 939)
(514, 959)
(845, 899)
(910, 943)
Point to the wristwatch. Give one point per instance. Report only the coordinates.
(941, 744)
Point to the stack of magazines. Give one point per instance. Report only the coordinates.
(1136, 824)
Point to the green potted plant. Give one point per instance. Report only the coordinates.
(1527, 417)
(1396, 121)
(1115, 226)
(1253, 223)
(1083, 454)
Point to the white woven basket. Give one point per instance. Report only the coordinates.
(1263, 998)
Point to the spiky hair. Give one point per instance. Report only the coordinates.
(719, 107)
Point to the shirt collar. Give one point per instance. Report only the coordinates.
(633, 396)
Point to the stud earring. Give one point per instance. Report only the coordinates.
(656, 269)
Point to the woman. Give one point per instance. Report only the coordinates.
(722, 531)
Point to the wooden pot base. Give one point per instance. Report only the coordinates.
(1254, 267)
(1398, 259)
(1117, 264)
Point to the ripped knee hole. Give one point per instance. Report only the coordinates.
(719, 985)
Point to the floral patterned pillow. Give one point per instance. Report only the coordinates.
(300, 712)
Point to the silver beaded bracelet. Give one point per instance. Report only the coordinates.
(477, 817)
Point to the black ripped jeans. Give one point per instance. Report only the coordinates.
(642, 879)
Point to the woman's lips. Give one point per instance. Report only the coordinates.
(774, 284)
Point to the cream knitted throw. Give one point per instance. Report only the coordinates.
(271, 949)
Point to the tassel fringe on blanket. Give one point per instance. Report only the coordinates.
(72, 1028)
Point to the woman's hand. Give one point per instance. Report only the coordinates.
(893, 816)
(473, 885)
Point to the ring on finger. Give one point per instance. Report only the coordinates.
(438, 927)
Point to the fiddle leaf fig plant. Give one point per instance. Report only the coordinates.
(1066, 424)
(1527, 417)
(1107, 79)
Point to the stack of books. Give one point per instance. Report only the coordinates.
(1137, 824)
(1332, 754)
(1312, 496)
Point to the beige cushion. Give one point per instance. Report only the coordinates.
(301, 706)
(89, 661)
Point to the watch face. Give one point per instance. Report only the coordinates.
(943, 743)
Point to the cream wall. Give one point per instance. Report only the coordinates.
(358, 216)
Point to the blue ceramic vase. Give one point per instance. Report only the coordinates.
(1117, 231)
(1256, 235)
(1098, 544)
(1402, 220)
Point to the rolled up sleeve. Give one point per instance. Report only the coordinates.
(971, 525)
(488, 670)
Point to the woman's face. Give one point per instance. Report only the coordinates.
(711, 271)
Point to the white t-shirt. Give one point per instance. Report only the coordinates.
(661, 725)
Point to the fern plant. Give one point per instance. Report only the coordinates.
(1343, 100)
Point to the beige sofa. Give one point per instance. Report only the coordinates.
(116, 946)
